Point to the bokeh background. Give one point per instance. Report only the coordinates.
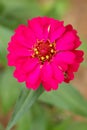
(65, 109)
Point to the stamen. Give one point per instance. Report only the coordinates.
(36, 52)
(51, 45)
(47, 57)
(44, 51)
(42, 58)
(52, 50)
(35, 49)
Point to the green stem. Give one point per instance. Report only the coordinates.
(31, 97)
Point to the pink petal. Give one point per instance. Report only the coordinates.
(66, 42)
(69, 27)
(52, 29)
(19, 63)
(24, 37)
(19, 52)
(70, 76)
(55, 24)
(79, 55)
(11, 61)
(50, 84)
(57, 73)
(45, 22)
(34, 78)
(56, 34)
(46, 71)
(62, 66)
(35, 25)
(74, 67)
(48, 80)
(21, 77)
(77, 42)
(30, 64)
(46, 86)
(67, 57)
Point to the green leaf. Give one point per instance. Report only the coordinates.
(4, 39)
(18, 12)
(63, 125)
(1, 127)
(78, 126)
(25, 122)
(39, 121)
(25, 101)
(67, 98)
(9, 89)
(69, 124)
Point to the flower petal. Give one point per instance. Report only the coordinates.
(34, 78)
(56, 34)
(46, 71)
(48, 80)
(56, 29)
(21, 77)
(24, 36)
(70, 76)
(35, 25)
(30, 64)
(79, 56)
(50, 84)
(66, 42)
(57, 73)
(67, 57)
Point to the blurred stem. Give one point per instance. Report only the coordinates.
(25, 101)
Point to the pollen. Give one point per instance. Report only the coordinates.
(44, 50)
(51, 45)
(42, 58)
(47, 57)
(52, 50)
(35, 49)
(36, 52)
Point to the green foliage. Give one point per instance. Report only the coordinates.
(9, 90)
(67, 98)
(69, 124)
(1, 127)
(4, 39)
(24, 103)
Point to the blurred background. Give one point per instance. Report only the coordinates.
(65, 109)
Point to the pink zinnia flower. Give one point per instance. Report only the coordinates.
(44, 52)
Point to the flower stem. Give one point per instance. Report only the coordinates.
(24, 103)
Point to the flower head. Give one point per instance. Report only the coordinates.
(44, 52)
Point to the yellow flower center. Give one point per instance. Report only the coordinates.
(44, 51)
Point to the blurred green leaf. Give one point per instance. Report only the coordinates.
(70, 124)
(25, 122)
(39, 120)
(8, 90)
(18, 12)
(58, 9)
(63, 125)
(61, 7)
(1, 127)
(29, 98)
(78, 126)
(5, 35)
(67, 98)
